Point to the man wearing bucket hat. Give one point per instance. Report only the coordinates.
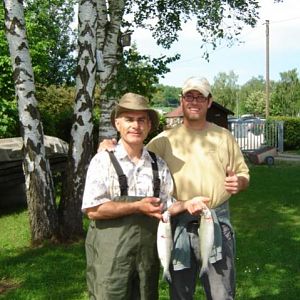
(205, 160)
(124, 196)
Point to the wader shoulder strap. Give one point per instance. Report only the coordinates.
(122, 177)
(156, 180)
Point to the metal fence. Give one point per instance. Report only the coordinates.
(255, 134)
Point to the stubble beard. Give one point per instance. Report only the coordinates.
(192, 116)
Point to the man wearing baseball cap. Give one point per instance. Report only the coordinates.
(205, 160)
(124, 196)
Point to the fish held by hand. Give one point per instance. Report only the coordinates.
(206, 237)
(165, 246)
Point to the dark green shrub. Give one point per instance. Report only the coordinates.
(292, 134)
(9, 119)
(56, 108)
(161, 126)
(291, 130)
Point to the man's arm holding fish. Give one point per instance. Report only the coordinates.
(194, 206)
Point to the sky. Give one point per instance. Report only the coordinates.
(246, 60)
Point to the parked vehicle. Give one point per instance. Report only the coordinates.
(249, 132)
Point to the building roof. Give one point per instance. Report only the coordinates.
(177, 112)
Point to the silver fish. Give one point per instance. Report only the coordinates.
(206, 237)
(164, 247)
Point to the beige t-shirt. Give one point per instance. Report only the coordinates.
(198, 159)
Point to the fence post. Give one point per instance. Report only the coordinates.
(280, 135)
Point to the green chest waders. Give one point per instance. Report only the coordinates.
(122, 261)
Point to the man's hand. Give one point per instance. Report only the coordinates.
(233, 183)
(196, 205)
(107, 144)
(151, 207)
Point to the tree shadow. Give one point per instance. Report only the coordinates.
(8, 210)
(49, 272)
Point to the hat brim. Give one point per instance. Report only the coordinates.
(153, 115)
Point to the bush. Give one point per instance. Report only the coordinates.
(291, 130)
(56, 108)
(55, 105)
(292, 133)
(59, 124)
(9, 119)
(161, 126)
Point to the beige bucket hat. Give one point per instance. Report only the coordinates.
(131, 101)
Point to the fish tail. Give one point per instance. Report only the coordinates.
(204, 269)
(167, 276)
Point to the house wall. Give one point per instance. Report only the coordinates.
(217, 116)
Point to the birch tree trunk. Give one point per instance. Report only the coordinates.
(81, 143)
(110, 14)
(39, 185)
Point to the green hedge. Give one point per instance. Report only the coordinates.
(291, 130)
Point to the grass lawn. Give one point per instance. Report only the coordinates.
(266, 219)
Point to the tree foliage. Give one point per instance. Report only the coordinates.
(215, 20)
(225, 89)
(255, 103)
(138, 73)
(9, 120)
(255, 84)
(285, 99)
(51, 40)
(166, 96)
(56, 108)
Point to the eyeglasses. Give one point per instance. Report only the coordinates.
(191, 98)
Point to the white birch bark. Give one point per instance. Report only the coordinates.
(81, 144)
(110, 14)
(38, 178)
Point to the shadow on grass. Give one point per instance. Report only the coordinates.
(267, 224)
(4, 211)
(50, 272)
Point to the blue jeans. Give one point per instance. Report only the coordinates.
(218, 282)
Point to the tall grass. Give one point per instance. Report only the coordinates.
(266, 219)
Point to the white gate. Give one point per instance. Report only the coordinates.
(254, 134)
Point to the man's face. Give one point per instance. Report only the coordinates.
(133, 126)
(195, 105)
